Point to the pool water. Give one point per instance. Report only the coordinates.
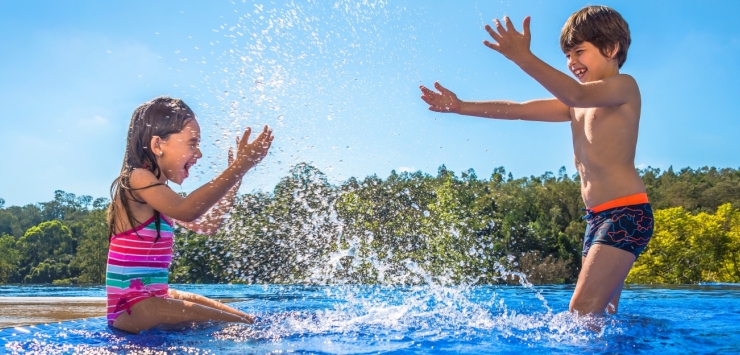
(410, 320)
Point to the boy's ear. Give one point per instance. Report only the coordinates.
(614, 50)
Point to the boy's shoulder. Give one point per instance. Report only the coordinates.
(614, 90)
(624, 79)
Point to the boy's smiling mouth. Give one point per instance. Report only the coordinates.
(579, 73)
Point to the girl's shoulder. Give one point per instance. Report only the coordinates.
(141, 178)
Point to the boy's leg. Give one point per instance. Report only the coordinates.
(154, 311)
(205, 301)
(600, 281)
(613, 305)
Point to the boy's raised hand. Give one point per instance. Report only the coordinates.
(249, 154)
(445, 101)
(512, 44)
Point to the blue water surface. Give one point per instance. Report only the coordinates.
(693, 319)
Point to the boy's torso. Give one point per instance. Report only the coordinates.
(604, 143)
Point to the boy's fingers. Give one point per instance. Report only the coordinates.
(509, 25)
(441, 88)
(499, 27)
(425, 90)
(493, 33)
(428, 100)
(525, 25)
(493, 46)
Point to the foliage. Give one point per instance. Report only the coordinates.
(407, 228)
(92, 249)
(691, 248)
(9, 257)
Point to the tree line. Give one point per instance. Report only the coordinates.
(408, 228)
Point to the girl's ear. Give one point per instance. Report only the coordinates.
(156, 146)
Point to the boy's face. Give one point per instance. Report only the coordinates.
(587, 63)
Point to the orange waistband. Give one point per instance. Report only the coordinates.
(635, 199)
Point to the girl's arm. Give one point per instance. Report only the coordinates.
(212, 220)
(188, 209)
(545, 110)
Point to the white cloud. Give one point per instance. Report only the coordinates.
(408, 169)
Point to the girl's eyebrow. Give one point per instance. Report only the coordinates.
(193, 139)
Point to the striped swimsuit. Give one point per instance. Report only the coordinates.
(138, 266)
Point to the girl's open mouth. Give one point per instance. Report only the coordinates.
(186, 169)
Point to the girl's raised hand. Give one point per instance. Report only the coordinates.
(249, 154)
(230, 158)
(445, 101)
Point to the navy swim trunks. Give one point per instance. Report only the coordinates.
(627, 227)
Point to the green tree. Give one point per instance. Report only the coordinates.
(691, 248)
(9, 258)
(9, 223)
(45, 251)
(92, 249)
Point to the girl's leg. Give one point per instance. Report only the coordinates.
(205, 301)
(154, 311)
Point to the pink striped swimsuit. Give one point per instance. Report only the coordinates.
(138, 266)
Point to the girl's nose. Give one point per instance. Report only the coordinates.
(198, 154)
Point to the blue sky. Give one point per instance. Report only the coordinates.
(338, 81)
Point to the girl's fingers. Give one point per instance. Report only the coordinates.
(247, 133)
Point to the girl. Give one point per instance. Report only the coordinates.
(162, 145)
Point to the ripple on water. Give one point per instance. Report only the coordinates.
(418, 320)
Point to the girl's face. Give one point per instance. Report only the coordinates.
(180, 152)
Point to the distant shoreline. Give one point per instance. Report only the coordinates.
(25, 311)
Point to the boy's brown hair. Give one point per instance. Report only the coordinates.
(601, 26)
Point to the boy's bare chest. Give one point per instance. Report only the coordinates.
(589, 123)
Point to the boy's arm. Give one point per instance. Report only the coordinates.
(545, 110)
(613, 91)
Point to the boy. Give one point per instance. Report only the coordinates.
(603, 108)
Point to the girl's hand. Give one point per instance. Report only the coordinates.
(445, 101)
(231, 159)
(250, 154)
(509, 42)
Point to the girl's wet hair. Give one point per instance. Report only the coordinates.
(601, 26)
(161, 117)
